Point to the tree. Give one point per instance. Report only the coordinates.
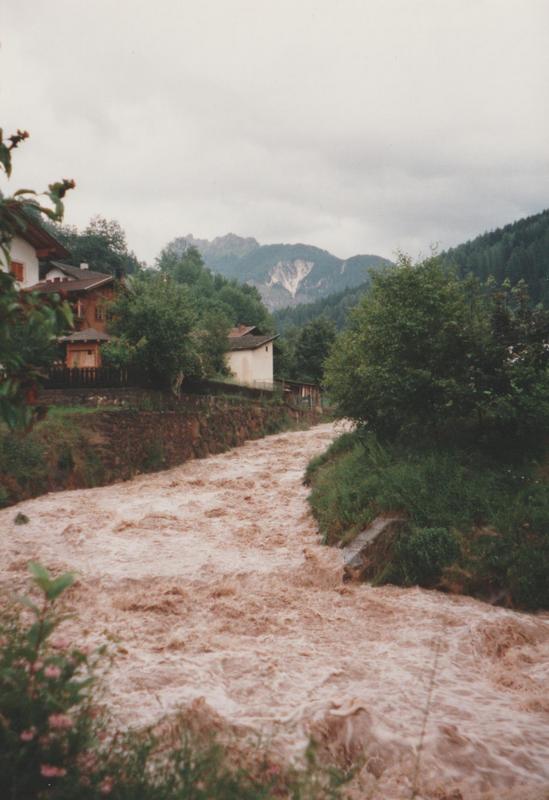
(426, 352)
(312, 348)
(403, 363)
(156, 320)
(238, 303)
(29, 324)
(102, 244)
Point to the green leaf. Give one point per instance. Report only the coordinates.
(26, 601)
(39, 573)
(59, 585)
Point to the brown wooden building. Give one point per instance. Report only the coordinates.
(88, 293)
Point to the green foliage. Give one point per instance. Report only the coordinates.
(335, 307)
(46, 720)
(519, 251)
(155, 317)
(426, 353)
(56, 742)
(226, 298)
(174, 322)
(312, 347)
(21, 461)
(102, 244)
(118, 353)
(29, 324)
(458, 489)
(403, 362)
(421, 554)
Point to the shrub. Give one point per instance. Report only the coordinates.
(499, 509)
(45, 722)
(421, 554)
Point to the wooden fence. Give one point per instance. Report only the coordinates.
(61, 377)
(94, 377)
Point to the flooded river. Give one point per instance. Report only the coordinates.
(210, 582)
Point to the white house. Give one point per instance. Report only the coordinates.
(27, 249)
(250, 357)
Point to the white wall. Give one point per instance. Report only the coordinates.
(252, 367)
(54, 272)
(22, 251)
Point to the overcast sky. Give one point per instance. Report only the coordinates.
(360, 126)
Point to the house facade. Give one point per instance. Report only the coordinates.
(89, 293)
(250, 357)
(27, 250)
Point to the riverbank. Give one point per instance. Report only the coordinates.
(84, 446)
(474, 522)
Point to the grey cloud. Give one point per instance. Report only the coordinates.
(357, 126)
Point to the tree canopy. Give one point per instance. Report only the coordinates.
(155, 321)
(519, 251)
(237, 302)
(426, 350)
(102, 245)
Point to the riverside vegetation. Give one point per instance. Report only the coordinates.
(447, 382)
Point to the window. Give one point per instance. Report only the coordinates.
(99, 313)
(18, 271)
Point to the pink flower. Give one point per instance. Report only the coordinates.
(36, 666)
(52, 671)
(28, 735)
(87, 761)
(48, 771)
(106, 785)
(60, 643)
(60, 721)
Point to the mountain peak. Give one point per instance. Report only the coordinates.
(284, 274)
(222, 246)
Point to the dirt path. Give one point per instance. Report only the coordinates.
(210, 580)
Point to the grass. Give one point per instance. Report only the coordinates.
(469, 511)
(60, 412)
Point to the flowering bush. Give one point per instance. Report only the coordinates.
(56, 744)
(46, 719)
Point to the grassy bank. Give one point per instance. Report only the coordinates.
(55, 453)
(477, 524)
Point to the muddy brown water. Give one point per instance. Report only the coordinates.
(210, 582)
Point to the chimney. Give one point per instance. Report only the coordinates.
(83, 265)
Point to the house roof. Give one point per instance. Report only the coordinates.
(78, 280)
(87, 335)
(249, 342)
(32, 232)
(241, 330)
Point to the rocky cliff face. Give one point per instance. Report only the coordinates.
(284, 274)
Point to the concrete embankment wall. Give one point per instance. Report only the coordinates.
(93, 447)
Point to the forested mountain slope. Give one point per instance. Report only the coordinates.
(334, 307)
(516, 251)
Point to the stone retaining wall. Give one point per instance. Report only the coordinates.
(79, 450)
